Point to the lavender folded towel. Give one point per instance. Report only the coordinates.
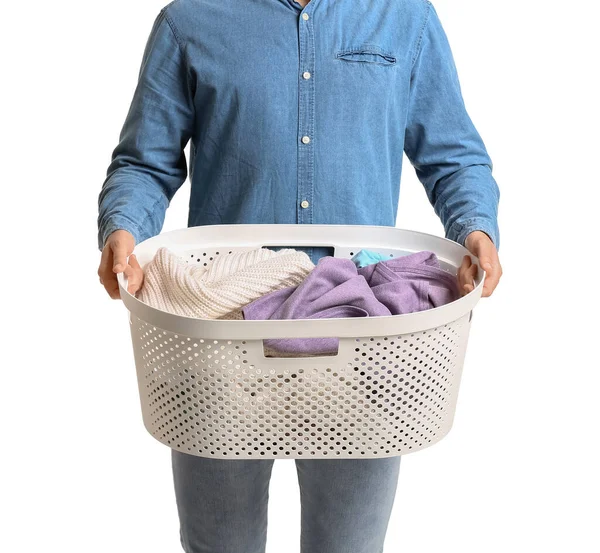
(337, 288)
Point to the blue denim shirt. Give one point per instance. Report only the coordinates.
(297, 115)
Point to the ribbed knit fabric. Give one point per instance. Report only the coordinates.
(224, 286)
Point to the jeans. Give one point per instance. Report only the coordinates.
(345, 503)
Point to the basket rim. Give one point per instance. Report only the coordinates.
(257, 235)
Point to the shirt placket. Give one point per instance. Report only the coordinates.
(306, 116)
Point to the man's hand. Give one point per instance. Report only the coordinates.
(482, 247)
(118, 246)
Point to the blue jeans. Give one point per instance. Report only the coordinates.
(222, 503)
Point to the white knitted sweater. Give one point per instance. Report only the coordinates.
(224, 286)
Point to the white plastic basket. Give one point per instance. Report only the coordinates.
(207, 389)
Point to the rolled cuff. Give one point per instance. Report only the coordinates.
(460, 230)
(117, 223)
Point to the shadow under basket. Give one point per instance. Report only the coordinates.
(207, 389)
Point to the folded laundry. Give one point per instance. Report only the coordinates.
(410, 283)
(368, 257)
(337, 288)
(220, 289)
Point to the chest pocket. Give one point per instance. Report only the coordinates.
(367, 53)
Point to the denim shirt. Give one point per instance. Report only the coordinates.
(297, 115)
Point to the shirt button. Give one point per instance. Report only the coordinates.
(304, 204)
(306, 75)
(305, 16)
(305, 139)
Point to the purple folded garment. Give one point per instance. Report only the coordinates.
(336, 288)
(410, 283)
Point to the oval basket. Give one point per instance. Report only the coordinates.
(206, 387)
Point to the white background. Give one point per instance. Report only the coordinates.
(519, 470)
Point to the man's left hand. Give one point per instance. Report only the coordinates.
(482, 247)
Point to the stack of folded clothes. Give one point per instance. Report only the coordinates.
(262, 284)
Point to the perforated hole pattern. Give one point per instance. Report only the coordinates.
(388, 395)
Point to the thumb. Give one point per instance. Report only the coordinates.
(486, 262)
(119, 256)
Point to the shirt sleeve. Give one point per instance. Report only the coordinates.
(148, 165)
(442, 144)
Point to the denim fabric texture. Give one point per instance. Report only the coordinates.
(346, 503)
(297, 115)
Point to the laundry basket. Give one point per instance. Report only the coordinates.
(207, 389)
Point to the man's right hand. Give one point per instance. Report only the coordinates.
(118, 246)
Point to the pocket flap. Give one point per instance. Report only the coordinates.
(367, 53)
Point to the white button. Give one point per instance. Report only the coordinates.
(305, 139)
(305, 16)
(306, 75)
(304, 204)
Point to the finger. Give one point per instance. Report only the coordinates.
(103, 268)
(463, 274)
(119, 249)
(113, 290)
(473, 272)
(108, 279)
(487, 255)
(491, 265)
(139, 280)
(133, 261)
(471, 275)
(491, 281)
(135, 275)
(486, 263)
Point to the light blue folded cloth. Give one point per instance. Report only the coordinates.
(368, 257)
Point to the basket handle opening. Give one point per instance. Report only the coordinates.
(330, 248)
(295, 348)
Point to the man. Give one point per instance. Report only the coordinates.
(298, 112)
